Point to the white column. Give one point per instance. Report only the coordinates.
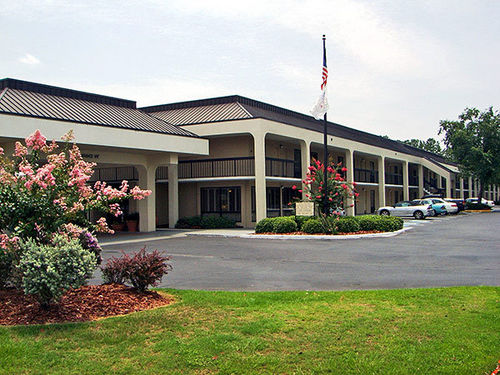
(420, 180)
(448, 185)
(305, 156)
(349, 164)
(471, 188)
(173, 192)
(260, 175)
(381, 181)
(462, 188)
(406, 188)
(147, 206)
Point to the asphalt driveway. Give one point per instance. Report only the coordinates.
(446, 251)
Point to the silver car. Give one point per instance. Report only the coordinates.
(407, 208)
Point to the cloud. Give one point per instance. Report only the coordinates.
(29, 59)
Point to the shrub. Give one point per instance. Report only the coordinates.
(188, 222)
(142, 269)
(7, 257)
(214, 222)
(284, 225)
(389, 224)
(89, 242)
(348, 224)
(300, 220)
(115, 270)
(265, 225)
(313, 226)
(48, 271)
(367, 222)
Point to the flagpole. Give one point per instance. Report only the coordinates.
(325, 148)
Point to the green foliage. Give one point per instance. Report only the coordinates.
(348, 224)
(284, 225)
(213, 222)
(48, 271)
(206, 222)
(265, 225)
(7, 261)
(474, 143)
(430, 145)
(313, 226)
(388, 223)
(368, 222)
(300, 220)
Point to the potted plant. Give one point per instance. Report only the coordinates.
(132, 219)
(117, 223)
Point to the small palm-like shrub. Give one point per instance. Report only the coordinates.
(284, 225)
(313, 226)
(142, 269)
(48, 271)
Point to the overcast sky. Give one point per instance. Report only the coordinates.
(396, 67)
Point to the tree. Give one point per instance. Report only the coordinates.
(473, 141)
(430, 145)
(337, 190)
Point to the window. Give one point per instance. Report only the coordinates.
(223, 201)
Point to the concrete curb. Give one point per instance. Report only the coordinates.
(303, 237)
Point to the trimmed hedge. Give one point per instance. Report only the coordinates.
(284, 225)
(205, 222)
(349, 224)
(313, 226)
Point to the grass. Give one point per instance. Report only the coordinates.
(409, 331)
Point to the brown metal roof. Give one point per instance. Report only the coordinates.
(204, 114)
(30, 99)
(185, 113)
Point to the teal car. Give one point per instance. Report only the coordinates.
(438, 207)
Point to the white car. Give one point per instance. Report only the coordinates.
(483, 201)
(407, 208)
(451, 207)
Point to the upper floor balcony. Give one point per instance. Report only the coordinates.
(236, 167)
(393, 179)
(365, 175)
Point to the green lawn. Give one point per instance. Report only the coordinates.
(410, 331)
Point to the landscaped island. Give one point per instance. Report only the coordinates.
(329, 225)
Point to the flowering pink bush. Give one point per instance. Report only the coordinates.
(338, 191)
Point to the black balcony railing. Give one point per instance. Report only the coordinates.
(457, 184)
(233, 167)
(281, 168)
(413, 180)
(226, 167)
(393, 179)
(365, 175)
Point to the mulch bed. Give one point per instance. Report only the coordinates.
(321, 234)
(86, 303)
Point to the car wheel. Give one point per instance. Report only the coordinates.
(419, 215)
(384, 213)
(433, 213)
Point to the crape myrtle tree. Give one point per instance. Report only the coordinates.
(473, 141)
(338, 191)
(47, 243)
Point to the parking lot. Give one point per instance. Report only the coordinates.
(438, 251)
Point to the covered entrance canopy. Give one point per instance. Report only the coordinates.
(109, 131)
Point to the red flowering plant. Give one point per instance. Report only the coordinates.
(338, 191)
(45, 190)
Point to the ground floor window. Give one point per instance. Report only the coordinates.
(222, 201)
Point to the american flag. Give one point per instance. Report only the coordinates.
(325, 73)
(321, 106)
